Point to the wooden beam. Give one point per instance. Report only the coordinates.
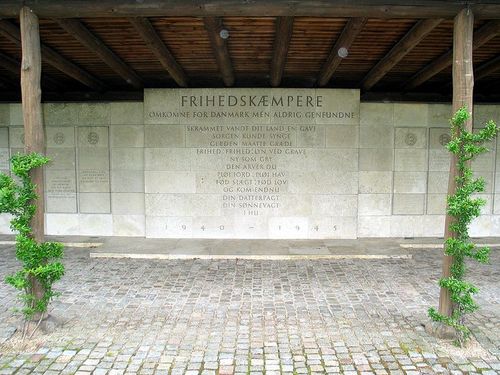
(283, 35)
(94, 44)
(11, 32)
(412, 38)
(489, 67)
(214, 25)
(488, 9)
(351, 30)
(463, 85)
(482, 36)
(162, 53)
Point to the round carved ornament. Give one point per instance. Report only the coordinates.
(444, 139)
(411, 139)
(59, 138)
(93, 138)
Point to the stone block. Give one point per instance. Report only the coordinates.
(408, 204)
(195, 205)
(495, 225)
(5, 224)
(129, 225)
(410, 182)
(312, 136)
(439, 115)
(60, 190)
(93, 159)
(93, 114)
(292, 205)
(337, 227)
(93, 137)
(60, 114)
(126, 113)
(16, 114)
(58, 137)
(162, 159)
(127, 136)
(407, 226)
(438, 182)
(213, 227)
(487, 209)
(250, 227)
(439, 138)
(484, 113)
(16, 137)
(374, 204)
(488, 180)
(4, 159)
(93, 181)
(436, 204)
(410, 114)
(439, 160)
(484, 162)
(61, 158)
(170, 182)
(288, 227)
(481, 226)
(410, 138)
(4, 115)
(371, 159)
(374, 226)
(169, 227)
(377, 114)
(371, 182)
(124, 181)
(410, 160)
(342, 136)
(4, 137)
(127, 158)
(433, 226)
(344, 102)
(377, 137)
(321, 183)
(160, 105)
(127, 203)
(292, 113)
(62, 224)
(334, 205)
(158, 136)
(95, 224)
(95, 203)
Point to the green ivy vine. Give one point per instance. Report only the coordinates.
(463, 208)
(40, 261)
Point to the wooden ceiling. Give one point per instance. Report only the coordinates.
(250, 51)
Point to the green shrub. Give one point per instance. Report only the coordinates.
(40, 261)
(463, 208)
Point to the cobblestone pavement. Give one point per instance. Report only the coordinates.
(252, 317)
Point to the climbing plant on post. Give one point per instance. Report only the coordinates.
(41, 266)
(463, 208)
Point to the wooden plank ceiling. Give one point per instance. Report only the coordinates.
(250, 47)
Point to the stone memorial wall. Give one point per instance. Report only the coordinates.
(249, 163)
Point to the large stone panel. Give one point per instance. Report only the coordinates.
(258, 162)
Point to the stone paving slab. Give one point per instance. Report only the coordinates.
(351, 316)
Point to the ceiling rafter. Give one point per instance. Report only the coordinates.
(351, 30)
(283, 35)
(407, 43)
(93, 43)
(482, 36)
(149, 35)
(11, 32)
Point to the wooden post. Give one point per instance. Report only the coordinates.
(31, 69)
(463, 83)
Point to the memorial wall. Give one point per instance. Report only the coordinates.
(249, 163)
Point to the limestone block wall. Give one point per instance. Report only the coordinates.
(404, 170)
(127, 169)
(94, 184)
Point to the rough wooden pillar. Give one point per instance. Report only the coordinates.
(463, 83)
